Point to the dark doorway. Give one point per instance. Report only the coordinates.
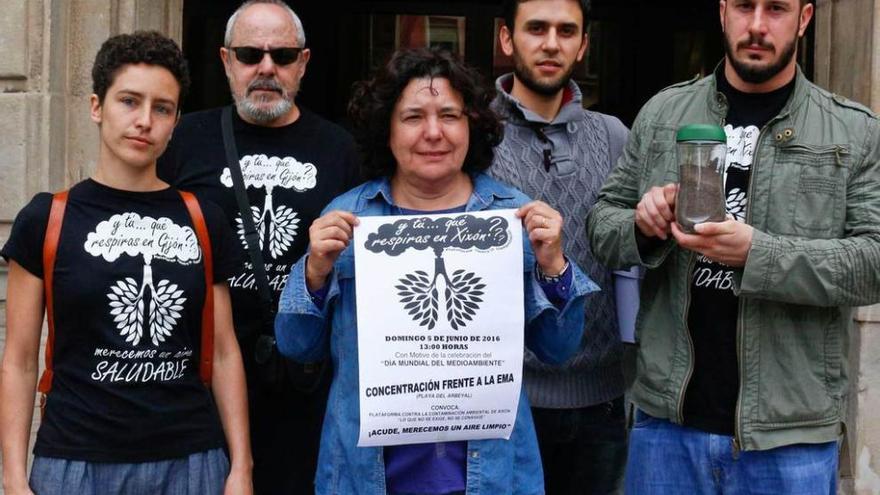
(637, 46)
(339, 39)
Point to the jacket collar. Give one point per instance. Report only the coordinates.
(718, 102)
(486, 191)
(511, 109)
(377, 189)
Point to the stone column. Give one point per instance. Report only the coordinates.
(47, 141)
(864, 422)
(847, 62)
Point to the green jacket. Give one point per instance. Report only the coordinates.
(814, 202)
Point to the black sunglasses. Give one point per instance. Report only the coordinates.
(251, 55)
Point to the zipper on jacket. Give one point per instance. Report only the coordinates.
(839, 150)
(737, 423)
(692, 261)
(737, 420)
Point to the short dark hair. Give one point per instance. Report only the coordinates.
(511, 6)
(372, 103)
(140, 47)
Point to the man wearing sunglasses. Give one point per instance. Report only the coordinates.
(292, 164)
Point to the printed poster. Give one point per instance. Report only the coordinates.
(440, 326)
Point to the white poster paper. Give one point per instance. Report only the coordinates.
(440, 326)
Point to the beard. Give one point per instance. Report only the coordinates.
(544, 88)
(757, 74)
(255, 106)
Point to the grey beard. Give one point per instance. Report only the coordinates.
(262, 115)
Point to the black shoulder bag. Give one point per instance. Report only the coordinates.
(273, 369)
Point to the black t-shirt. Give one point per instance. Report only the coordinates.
(710, 403)
(128, 291)
(290, 175)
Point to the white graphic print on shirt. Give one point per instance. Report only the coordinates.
(133, 235)
(279, 224)
(741, 143)
(736, 204)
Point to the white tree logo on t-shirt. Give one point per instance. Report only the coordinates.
(136, 306)
(736, 204)
(741, 142)
(276, 226)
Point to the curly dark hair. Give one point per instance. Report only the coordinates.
(511, 6)
(140, 47)
(372, 103)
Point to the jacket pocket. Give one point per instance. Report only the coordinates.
(345, 310)
(835, 357)
(345, 266)
(659, 346)
(819, 175)
(799, 349)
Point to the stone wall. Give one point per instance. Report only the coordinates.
(847, 62)
(864, 422)
(47, 141)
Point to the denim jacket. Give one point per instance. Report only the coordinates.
(306, 333)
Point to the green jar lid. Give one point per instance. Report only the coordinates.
(701, 132)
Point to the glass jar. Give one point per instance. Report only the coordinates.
(701, 151)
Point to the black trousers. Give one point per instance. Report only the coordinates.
(285, 435)
(583, 451)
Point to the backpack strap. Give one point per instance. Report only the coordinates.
(251, 236)
(206, 359)
(50, 251)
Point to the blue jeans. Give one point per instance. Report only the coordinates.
(202, 473)
(582, 450)
(665, 458)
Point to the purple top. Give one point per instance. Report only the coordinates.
(438, 468)
(426, 468)
(557, 292)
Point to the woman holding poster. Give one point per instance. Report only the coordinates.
(427, 134)
(144, 386)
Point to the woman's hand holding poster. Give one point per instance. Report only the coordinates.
(440, 326)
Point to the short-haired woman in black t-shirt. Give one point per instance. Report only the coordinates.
(135, 406)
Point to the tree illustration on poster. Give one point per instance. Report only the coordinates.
(422, 294)
(145, 305)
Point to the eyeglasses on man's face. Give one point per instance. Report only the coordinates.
(251, 55)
